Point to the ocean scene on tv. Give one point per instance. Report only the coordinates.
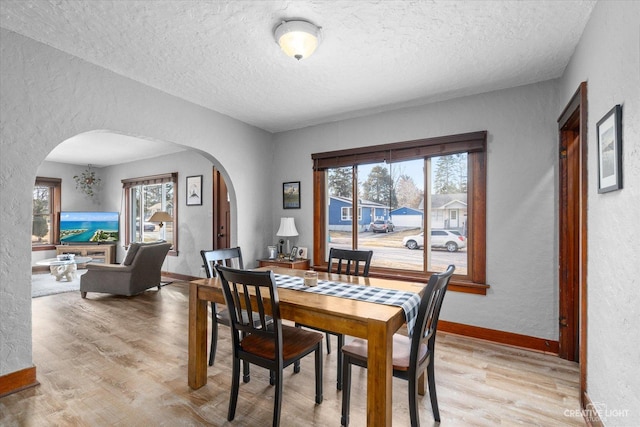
(88, 227)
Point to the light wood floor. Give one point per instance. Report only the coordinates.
(122, 361)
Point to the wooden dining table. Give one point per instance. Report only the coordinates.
(373, 321)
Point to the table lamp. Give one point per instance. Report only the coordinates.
(287, 229)
(161, 217)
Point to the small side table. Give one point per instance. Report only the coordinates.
(64, 268)
(298, 264)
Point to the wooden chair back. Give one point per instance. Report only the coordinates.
(229, 257)
(255, 292)
(351, 261)
(429, 312)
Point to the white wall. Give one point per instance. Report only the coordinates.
(608, 58)
(521, 194)
(47, 96)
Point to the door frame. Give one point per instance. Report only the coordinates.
(572, 268)
(221, 227)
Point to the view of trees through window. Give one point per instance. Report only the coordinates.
(46, 208)
(145, 201)
(406, 227)
(42, 210)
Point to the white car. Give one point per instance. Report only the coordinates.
(450, 240)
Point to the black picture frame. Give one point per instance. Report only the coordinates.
(194, 190)
(609, 131)
(291, 195)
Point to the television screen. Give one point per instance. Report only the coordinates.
(89, 227)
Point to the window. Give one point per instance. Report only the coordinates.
(145, 196)
(346, 214)
(46, 212)
(421, 207)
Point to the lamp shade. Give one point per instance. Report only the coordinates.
(161, 216)
(298, 39)
(287, 228)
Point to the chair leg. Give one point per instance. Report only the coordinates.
(319, 396)
(328, 343)
(277, 399)
(340, 357)
(245, 372)
(346, 390)
(413, 400)
(272, 377)
(214, 334)
(432, 389)
(296, 364)
(235, 386)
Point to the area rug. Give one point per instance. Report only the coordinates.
(46, 284)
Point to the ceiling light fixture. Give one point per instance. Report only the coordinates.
(298, 39)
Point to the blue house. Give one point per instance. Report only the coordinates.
(341, 213)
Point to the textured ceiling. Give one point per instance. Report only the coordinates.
(374, 55)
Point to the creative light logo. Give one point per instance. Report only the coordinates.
(597, 411)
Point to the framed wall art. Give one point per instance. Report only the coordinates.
(609, 130)
(194, 190)
(291, 195)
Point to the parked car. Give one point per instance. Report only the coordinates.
(148, 226)
(380, 226)
(451, 240)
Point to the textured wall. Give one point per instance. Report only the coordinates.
(608, 58)
(521, 194)
(47, 96)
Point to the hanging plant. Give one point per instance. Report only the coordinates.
(87, 182)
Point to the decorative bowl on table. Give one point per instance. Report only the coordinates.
(66, 257)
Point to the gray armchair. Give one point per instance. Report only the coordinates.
(139, 271)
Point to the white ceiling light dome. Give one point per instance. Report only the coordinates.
(298, 39)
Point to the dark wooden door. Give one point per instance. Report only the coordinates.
(221, 212)
(573, 230)
(569, 244)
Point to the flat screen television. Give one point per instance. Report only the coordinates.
(89, 227)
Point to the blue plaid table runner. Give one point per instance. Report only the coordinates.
(409, 301)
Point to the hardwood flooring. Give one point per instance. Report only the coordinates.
(122, 361)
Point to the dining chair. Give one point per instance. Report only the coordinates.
(274, 347)
(411, 356)
(229, 257)
(352, 263)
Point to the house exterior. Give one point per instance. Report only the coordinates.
(406, 217)
(449, 211)
(341, 213)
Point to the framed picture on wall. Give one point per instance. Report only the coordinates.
(194, 190)
(291, 195)
(609, 130)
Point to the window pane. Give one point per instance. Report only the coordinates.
(136, 225)
(391, 202)
(147, 200)
(41, 227)
(152, 203)
(167, 206)
(449, 213)
(391, 213)
(340, 208)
